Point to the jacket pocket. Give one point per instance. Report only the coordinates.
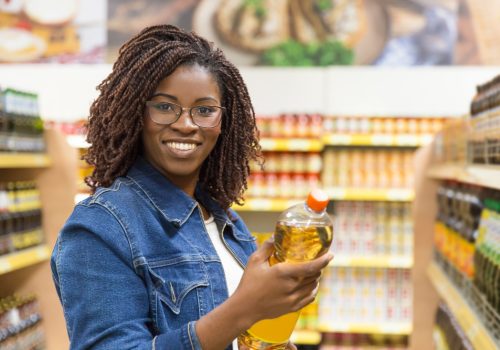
(176, 281)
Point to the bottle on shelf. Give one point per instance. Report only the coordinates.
(303, 232)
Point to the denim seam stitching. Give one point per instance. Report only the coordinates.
(113, 214)
(189, 334)
(58, 268)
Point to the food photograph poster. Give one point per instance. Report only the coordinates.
(261, 32)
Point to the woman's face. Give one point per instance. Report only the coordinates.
(179, 149)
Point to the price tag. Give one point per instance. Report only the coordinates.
(380, 139)
(407, 140)
(339, 139)
(298, 145)
(268, 144)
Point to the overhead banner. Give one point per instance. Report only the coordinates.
(262, 32)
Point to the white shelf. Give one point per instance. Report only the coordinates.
(381, 140)
(380, 261)
(400, 328)
(482, 175)
(370, 194)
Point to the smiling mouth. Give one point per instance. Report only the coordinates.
(180, 146)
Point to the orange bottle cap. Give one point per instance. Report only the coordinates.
(317, 200)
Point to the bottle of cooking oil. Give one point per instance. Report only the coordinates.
(303, 232)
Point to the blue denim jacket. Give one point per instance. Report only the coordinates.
(134, 266)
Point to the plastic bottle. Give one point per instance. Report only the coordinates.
(303, 233)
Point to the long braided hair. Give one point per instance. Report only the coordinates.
(116, 116)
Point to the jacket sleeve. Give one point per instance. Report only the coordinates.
(106, 304)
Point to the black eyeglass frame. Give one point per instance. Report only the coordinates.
(154, 104)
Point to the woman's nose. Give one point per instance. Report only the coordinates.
(185, 121)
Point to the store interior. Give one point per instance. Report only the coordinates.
(408, 155)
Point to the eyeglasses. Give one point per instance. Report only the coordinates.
(166, 113)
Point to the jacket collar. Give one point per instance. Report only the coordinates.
(174, 203)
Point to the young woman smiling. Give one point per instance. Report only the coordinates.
(155, 258)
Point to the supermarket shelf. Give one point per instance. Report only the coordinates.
(404, 140)
(399, 328)
(306, 337)
(77, 141)
(360, 194)
(23, 258)
(266, 204)
(486, 175)
(24, 160)
(282, 144)
(439, 339)
(381, 261)
(468, 320)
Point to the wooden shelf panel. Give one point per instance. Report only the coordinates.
(306, 337)
(404, 140)
(486, 176)
(360, 194)
(467, 318)
(23, 160)
(368, 328)
(298, 145)
(23, 258)
(381, 261)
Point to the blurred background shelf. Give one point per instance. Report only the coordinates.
(487, 175)
(380, 261)
(24, 258)
(469, 321)
(291, 144)
(266, 204)
(361, 194)
(368, 328)
(306, 337)
(24, 160)
(405, 140)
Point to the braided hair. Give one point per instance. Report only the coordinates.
(116, 117)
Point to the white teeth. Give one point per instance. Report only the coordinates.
(181, 146)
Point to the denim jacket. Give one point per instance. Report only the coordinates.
(134, 267)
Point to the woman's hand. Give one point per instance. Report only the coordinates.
(271, 291)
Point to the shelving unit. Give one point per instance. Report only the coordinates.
(306, 337)
(23, 258)
(382, 261)
(384, 140)
(291, 144)
(28, 271)
(370, 328)
(24, 160)
(486, 176)
(468, 319)
(361, 194)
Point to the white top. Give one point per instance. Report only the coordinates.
(232, 270)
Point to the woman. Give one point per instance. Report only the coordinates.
(155, 259)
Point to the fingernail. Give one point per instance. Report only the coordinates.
(330, 256)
